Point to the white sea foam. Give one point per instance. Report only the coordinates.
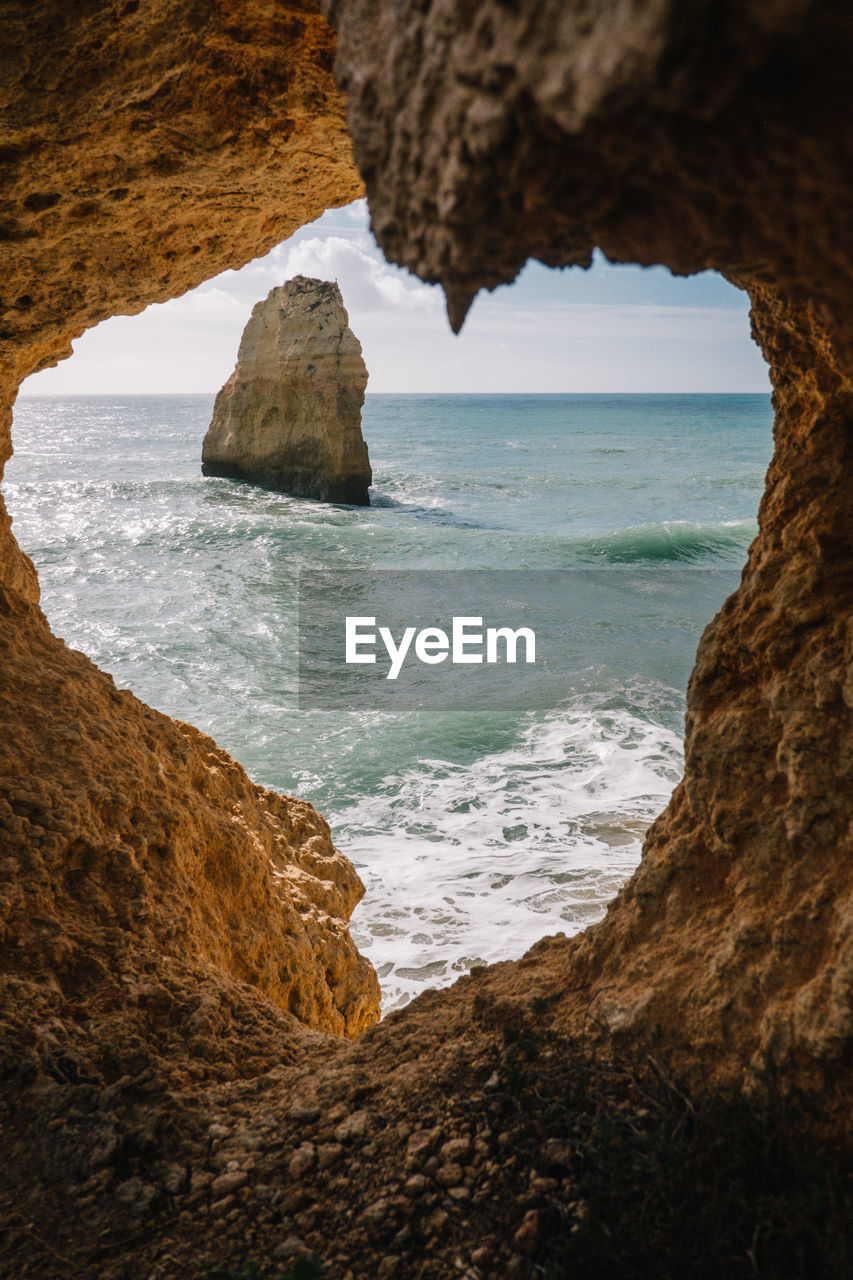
(466, 864)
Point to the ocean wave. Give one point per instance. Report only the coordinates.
(679, 540)
(536, 838)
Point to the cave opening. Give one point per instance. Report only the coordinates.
(615, 420)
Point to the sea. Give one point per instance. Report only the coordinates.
(477, 829)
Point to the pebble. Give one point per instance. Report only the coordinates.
(227, 1183)
(302, 1160)
(378, 1210)
(457, 1151)
(354, 1126)
(436, 1222)
(450, 1175)
(526, 1238)
(287, 1249)
(218, 1131)
(328, 1154)
(416, 1185)
(305, 1112)
(556, 1153)
(220, 1207)
(420, 1143)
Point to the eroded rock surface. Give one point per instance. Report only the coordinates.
(156, 906)
(146, 881)
(289, 417)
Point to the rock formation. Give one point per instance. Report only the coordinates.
(148, 146)
(154, 903)
(289, 417)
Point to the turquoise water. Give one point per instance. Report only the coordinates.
(476, 832)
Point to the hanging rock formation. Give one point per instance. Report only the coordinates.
(289, 417)
(694, 139)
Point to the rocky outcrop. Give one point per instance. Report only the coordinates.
(155, 905)
(289, 417)
(151, 893)
(147, 937)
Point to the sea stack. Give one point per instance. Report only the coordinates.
(289, 417)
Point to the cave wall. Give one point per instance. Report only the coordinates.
(148, 145)
(709, 135)
(154, 903)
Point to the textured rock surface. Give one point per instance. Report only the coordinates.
(141, 867)
(152, 144)
(697, 138)
(289, 417)
(153, 902)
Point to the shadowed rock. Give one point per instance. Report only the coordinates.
(289, 417)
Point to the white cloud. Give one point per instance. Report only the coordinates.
(609, 329)
(368, 283)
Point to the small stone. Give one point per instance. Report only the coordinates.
(305, 1112)
(526, 1238)
(419, 1143)
(302, 1160)
(459, 1193)
(176, 1179)
(227, 1183)
(328, 1154)
(450, 1175)
(543, 1186)
(436, 1222)
(353, 1127)
(480, 1257)
(378, 1210)
(556, 1154)
(217, 1131)
(220, 1207)
(387, 1267)
(416, 1185)
(457, 1151)
(137, 1196)
(287, 1249)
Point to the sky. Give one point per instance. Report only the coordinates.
(609, 329)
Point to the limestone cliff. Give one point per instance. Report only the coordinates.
(289, 417)
(145, 147)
